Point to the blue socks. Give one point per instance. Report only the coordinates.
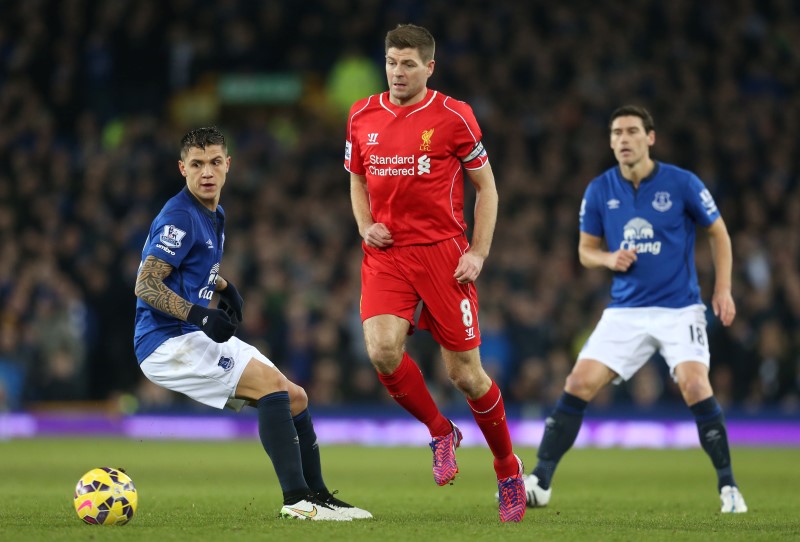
(714, 438)
(280, 440)
(562, 426)
(309, 451)
(561, 430)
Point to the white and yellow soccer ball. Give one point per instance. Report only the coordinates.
(105, 496)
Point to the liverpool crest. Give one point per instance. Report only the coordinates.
(426, 140)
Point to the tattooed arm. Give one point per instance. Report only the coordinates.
(151, 289)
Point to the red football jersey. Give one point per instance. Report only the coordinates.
(412, 158)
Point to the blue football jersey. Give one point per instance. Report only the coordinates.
(658, 220)
(190, 238)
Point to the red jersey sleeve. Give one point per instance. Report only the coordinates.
(353, 161)
(467, 135)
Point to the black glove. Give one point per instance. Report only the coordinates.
(233, 301)
(223, 306)
(213, 322)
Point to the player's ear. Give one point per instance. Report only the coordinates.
(227, 164)
(431, 65)
(651, 138)
(182, 167)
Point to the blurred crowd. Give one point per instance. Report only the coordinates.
(89, 138)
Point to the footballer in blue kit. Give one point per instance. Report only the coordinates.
(638, 219)
(657, 221)
(190, 238)
(185, 345)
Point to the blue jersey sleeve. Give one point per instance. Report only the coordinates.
(171, 237)
(700, 203)
(590, 217)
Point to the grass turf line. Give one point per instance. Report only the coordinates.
(205, 491)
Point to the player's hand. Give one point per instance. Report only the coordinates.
(213, 322)
(378, 236)
(724, 306)
(469, 267)
(232, 300)
(224, 306)
(622, 260)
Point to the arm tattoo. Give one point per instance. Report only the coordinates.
(151, 289)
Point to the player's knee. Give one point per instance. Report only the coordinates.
(695, 389)
(384, 356)
(466, 373)
(298, 399)
(462, 382)
(466, 381)
(581, 385)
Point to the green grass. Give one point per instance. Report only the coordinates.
(203, 491)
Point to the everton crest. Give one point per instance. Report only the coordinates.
(661, 202)
(226, 363)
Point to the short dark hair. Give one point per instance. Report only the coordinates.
(411, 36)
(201, 138)
(634, 111)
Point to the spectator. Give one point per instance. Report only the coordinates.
(86, 95)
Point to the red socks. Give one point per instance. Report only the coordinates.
(490, 414)
(407, 386)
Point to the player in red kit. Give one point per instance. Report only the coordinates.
(406, 152)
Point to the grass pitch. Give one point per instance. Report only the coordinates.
(203, 491)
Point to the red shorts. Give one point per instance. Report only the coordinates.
(394, 280)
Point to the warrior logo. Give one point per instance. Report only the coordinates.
(426, 140)
(637, 235)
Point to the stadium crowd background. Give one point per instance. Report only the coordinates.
(95, 95)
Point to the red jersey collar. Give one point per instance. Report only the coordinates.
(405, 110)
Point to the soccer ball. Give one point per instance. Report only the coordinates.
(105, 496)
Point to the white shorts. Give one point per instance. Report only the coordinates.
(625, 339)
(202, 369)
